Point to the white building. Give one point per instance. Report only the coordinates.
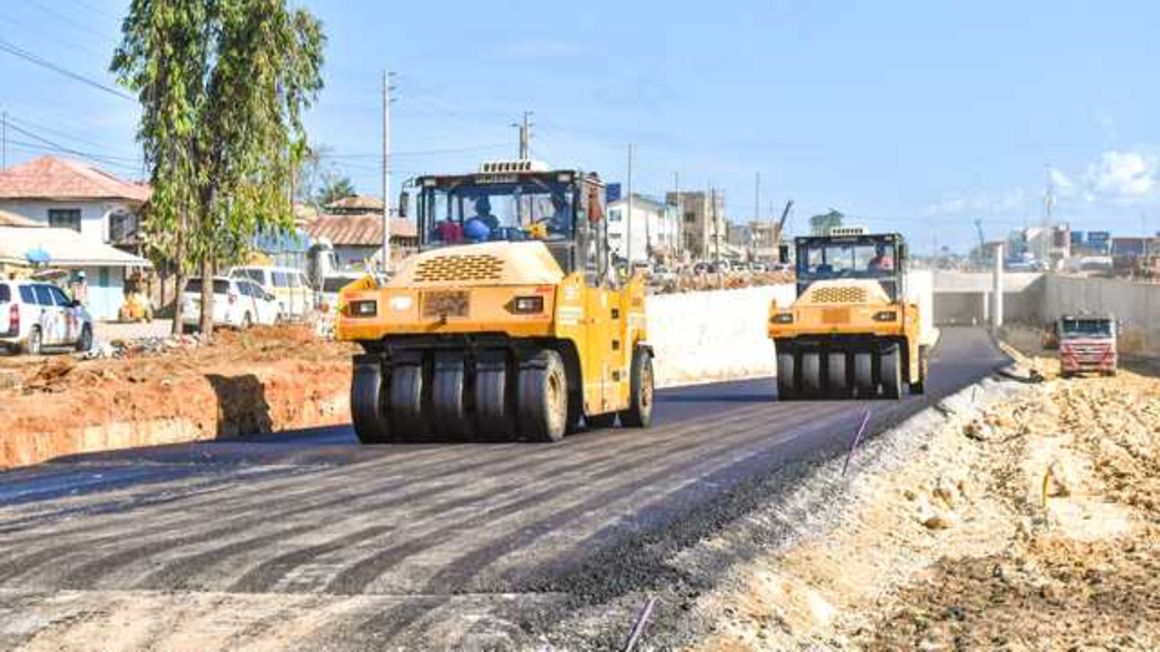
(653, 227)
(103, 211)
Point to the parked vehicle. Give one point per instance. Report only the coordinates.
(35, 316)
(1086, 343)
(239, 303)
(331, 285)
(294, 295)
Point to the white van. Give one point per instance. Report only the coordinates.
(288, 285)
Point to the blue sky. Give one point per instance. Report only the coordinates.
(919, 117)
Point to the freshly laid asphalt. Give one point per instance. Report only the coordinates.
(422, 545)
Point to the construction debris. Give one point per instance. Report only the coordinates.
(1033, 525)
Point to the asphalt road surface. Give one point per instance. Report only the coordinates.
(309, 541)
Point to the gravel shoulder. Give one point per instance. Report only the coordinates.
(1029, 522)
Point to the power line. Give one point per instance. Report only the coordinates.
(44, 63)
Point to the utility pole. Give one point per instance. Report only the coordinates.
(4, 139)
(386, 266)
(525, 127)
(756, 212)
(680, 226)
(628, 215)
(716, 238)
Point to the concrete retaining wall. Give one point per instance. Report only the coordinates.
(714, 335)
(1135, 305)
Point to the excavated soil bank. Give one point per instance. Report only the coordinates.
(263, 380)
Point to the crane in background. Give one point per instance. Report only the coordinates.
(981, 250)
(780, 229)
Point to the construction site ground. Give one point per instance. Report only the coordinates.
(308, 541)
(1028, 523)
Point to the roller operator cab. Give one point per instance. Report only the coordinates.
(509, 322)
(851, 332)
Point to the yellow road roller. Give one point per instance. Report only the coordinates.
(508, 323)
(851, 332)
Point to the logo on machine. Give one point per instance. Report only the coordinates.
(451, 303)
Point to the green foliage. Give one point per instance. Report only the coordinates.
(222, 85)
(334, 190)
(821, 224)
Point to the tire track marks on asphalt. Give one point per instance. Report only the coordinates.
(357, 577)
(258, 513)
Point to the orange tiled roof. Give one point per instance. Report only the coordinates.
(357, 230)
(356, 203)
(50, 177)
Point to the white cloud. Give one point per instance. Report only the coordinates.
(1060, 181)
(1122, 175)
(981, 203)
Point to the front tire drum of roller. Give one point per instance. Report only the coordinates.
(494, 414)
(448, 397)
(543, 397)
(864, 383)
(837, 383)
(812, 374)
(407, 419)
(368, 411)
(891, 372)
(786, 376)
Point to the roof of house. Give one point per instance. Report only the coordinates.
(65, 247)
(356, 203)
(12, 219)
(638, 198)
(51, 177)
(357, 230)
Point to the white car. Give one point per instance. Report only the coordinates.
(36, 316)
(239, 303)
(294, 296)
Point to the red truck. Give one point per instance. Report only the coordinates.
(1086, 343)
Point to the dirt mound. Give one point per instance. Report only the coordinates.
(261, 380)
(1033, 525)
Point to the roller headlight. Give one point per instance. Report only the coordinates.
(527, 305)
(783, 318)
(886, 315)
(364, 308)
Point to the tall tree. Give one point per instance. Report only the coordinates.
(334, 189)
(222, 84)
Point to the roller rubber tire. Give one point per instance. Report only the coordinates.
(641, 393)
(864, 384)
(448, 399)
(786, 376)
(919, 387)
(890, 370)
(600, 421)
(543, 397)
(494, 416)
(812, 374)
(407, 418)
(837, 384)
(368, 414)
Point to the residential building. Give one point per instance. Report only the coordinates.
(653, 224)
(84, 218)
(70, 194)
(702, 226)
(23, 241)
(354, 227)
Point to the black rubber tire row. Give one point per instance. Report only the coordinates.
(836, 372)
(436, 397)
